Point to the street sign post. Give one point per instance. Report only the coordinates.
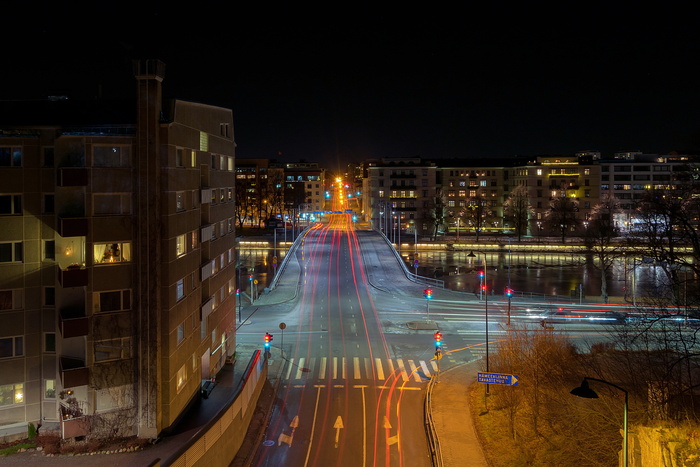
(497, 378)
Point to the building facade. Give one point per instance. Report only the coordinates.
(117, 277)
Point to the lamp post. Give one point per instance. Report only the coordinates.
(585, 391)
(486, 310)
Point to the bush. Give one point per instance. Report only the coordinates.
(31, 431)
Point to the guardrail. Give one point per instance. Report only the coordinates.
(433, 441)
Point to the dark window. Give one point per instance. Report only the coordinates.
(5, 299)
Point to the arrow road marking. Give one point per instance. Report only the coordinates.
(338, 425)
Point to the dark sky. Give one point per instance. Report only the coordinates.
(346, 82)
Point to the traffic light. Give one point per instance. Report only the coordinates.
(250, 277)
(428, 293)
(438, 340)
(268, 339)
(509, 292)
(481, 273)
(238, 292)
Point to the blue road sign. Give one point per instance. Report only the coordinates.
(496, 378)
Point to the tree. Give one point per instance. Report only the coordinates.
(667, 226)
(599, 236)
(561, 216)
(518, 210)
(437, 212)
(477, 214)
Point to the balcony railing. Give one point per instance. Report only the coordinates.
(72, 176)
(72, 276)
(74, 372)
(72, 226)
(73, 323)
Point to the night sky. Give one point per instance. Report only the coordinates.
(344, 83)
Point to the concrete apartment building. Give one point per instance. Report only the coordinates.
(116, 259)
(548, 178)
(400, 192)
(629, 175)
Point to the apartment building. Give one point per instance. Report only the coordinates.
(400, 194)
(628, 176)
(550, 177)
(116, 259)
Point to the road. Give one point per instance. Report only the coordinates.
(346, 398)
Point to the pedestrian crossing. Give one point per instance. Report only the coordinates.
(359, 368)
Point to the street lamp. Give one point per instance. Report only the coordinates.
(585, 391)
(486, 310)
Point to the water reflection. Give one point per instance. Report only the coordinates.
(530, 273)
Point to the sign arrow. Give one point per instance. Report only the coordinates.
(284, 438)
(338, 425)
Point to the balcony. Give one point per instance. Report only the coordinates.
(72, 226)
(72, 322)
(72, 276)
(72, 176)
(73, 372)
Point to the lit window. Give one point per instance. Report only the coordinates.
(180, 248)
(49, 389)
(181, 377)
(106, 253)
(11, 394)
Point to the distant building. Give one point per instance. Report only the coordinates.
(116, 259)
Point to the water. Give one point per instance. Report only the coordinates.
(526, 273)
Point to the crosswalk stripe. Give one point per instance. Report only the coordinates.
(434, 364)
(322, 370)
(299, 367)
(289, 368)
(391, 367)
(425, 368)
(415, 374)
(342, 368)
(356, 367)
(403, 369)
(380, 370)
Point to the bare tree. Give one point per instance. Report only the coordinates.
(477, 214)
(518, 210)
(599, 237)
(561, 216)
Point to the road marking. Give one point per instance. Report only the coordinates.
(289, 368)
(434, 364)
(425, 368)
(322, 372)
(313, 427)
(401, 388)
(356, 367)
(380, 370)
(415, 374)
(300, 367)
(335, 367)
(343, 368)
(404, 375)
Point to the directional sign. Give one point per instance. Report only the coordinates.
(496, 378)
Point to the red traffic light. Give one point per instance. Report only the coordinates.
(438, 339)
(509, 292)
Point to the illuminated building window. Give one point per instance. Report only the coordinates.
(180, 248)
(108, 253)
(181, 377)
(11, 394)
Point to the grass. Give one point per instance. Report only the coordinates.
(15, 448)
